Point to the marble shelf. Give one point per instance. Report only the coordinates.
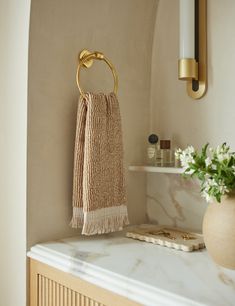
(172, 170)
(145, 273)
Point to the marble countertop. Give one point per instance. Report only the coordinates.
(146, 273)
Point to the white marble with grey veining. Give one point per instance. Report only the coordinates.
(146, 273)
(175, 201)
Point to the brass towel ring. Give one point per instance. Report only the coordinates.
(86, 60)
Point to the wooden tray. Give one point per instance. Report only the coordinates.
(170, 237)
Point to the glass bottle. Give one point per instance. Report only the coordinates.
(152, 149)
(166, 154)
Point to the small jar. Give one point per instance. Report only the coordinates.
(166, 154)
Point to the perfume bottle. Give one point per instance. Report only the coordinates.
(152, 149)
(166, 154)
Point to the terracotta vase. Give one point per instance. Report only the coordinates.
(219, 231)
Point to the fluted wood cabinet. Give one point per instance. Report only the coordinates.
(53, 287)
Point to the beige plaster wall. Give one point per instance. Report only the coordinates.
(14, 27)
(176, 116)
(123, 30)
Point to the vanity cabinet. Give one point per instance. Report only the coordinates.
(113, 270)
(53, 287)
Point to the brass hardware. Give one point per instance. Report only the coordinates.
(186, 236)
(163, 233)
(87, 63)
(188, 69)
(86, 59)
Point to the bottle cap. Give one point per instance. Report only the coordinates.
(165, 144)
(153, 139)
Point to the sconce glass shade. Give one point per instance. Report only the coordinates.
(187, 29)
(188, 68)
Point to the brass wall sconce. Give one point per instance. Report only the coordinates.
(192, 65)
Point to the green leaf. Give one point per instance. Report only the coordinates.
(204, 149)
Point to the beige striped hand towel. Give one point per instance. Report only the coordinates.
(99, 195)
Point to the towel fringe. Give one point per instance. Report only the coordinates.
(78, 217)
(100, 221)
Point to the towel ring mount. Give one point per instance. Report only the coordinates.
(86, 59)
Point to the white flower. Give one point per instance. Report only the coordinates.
(210, 185)
(208, 161)
(206, 196)
(186, 159)
(214, 167)
(189, 150)
(222, 153)
(216, 183)
(222, 187)
(223, 156)
(186, 156)
(209, 182)
(178, 152)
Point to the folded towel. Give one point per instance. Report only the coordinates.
(99, 195)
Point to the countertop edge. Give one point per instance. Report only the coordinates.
(121, 285)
